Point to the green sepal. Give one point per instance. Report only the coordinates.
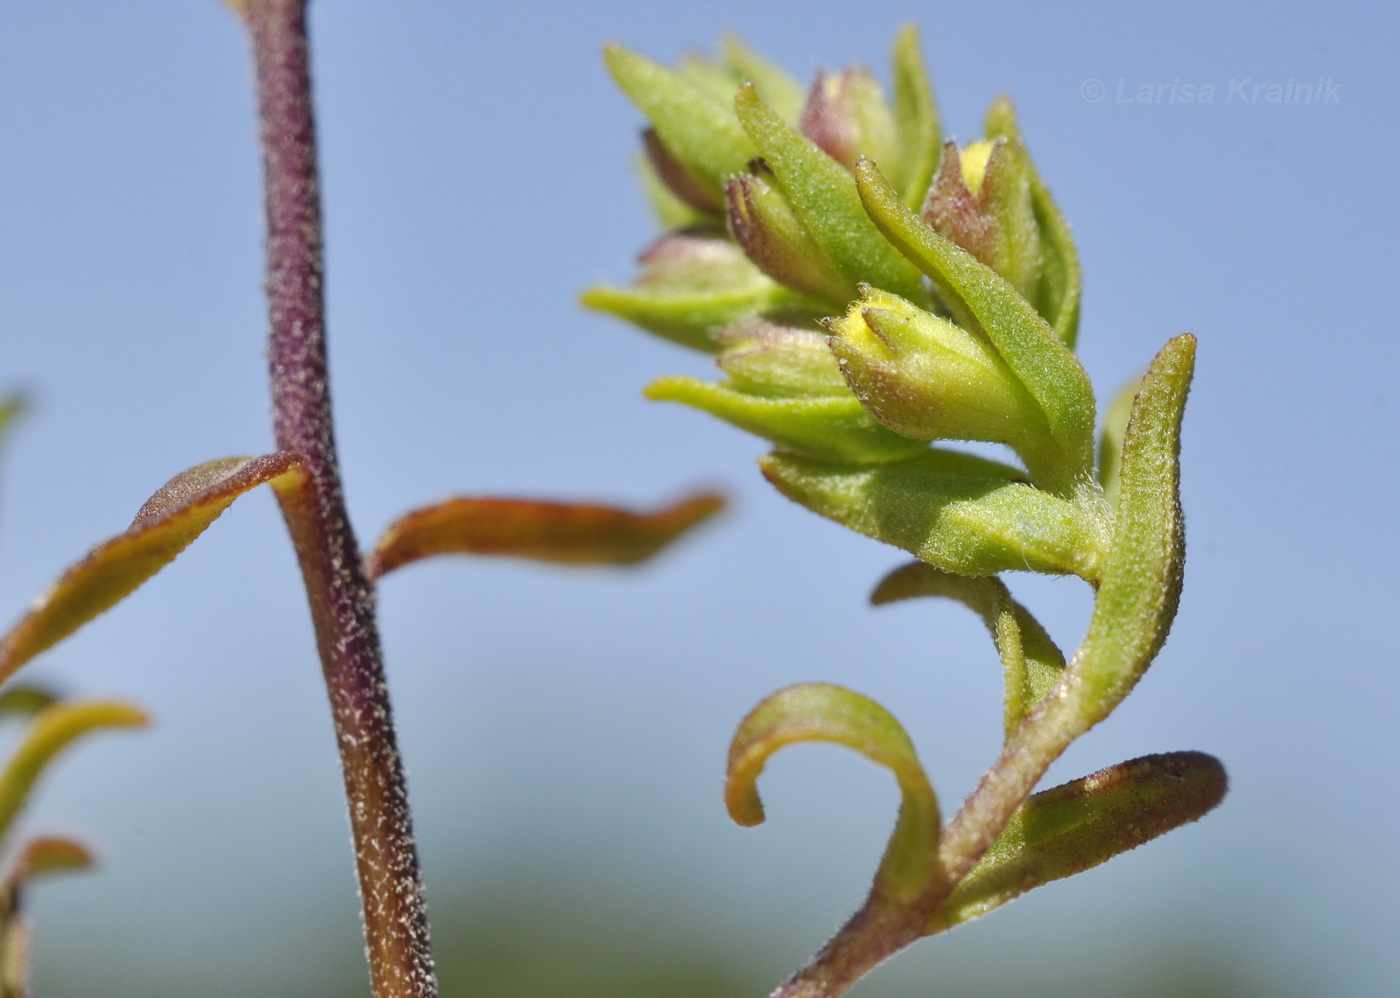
(1142, 570)
(698, 129)
(772, 236)
(1031, 662)
(1115, 426)
(962, 524)
(1076, 826)
(778, 89)
(692, 284)
(1057, 297)
(1032, 349)
(833, 427)
(823, 196)
(764, 358)
(819, 712)
(916, 120)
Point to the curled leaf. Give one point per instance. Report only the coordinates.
(950, 513)
(178, 513)
(819, 712)
(1030, 347)
(1142, 570)
(52, 730)
(1076, 826)
(563, 533)
(1031, 662)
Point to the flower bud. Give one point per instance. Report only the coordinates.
(981, 200)
(928, 379)
(775, 239)
(764, 358)
(848, 117)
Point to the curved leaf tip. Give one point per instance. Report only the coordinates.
(165, 525)
(562, 533)
(54, 729)
(820, 712)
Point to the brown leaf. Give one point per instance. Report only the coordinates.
(172, 518)
(563, 533)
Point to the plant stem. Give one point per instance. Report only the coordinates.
(341, 597)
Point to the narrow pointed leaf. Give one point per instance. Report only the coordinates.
(1115, 426)
(1025, 341)
(1059, 293)
(823, 196)
(1031, 662)
(836, 427)
(818, 712)
(916, 120)
(1077, 826)
(561, 533)
(693, 284)
(164, 527)
(701, 132)
(779, 90)
(53, 730)
(1142, 572)
(964, 525)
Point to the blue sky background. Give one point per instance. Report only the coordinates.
(562, 726)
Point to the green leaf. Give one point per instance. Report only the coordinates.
(779, 90)
(1028, 345)
(169, 521)
(835, 427)
(1031, 662)
(701, 132)
(1115, 426)
(561, 533)
(26, 700)
(823, 196)
(52, 730)
(1141, 581)
(966, 525)
(693, 284)
(916, 120)
(818, 712)
(1058, 295)
(1077, 826)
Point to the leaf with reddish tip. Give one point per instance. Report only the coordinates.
(819, 712)
(562, 533)
(1031, 662)
(178, 513)
(52, 730)
(1076, 826)
(49, 854)
(680, 181)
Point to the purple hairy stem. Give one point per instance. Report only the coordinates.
(341, 597)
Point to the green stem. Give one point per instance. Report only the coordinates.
(341, 597)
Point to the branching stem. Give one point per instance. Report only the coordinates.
(341, 597)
